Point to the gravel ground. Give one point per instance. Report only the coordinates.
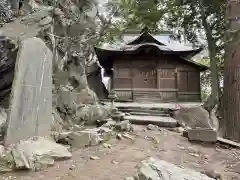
(117, 159)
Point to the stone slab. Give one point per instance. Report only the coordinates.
(155, 169)
(202, 134)
(155, 120)
(30, 111)
(37, 151)
(155, 105)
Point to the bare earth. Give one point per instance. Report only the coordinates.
(121, 159)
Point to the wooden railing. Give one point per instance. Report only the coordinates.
(156, 95)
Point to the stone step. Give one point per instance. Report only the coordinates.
(139, 108)
(143, 110)
(155, 120)
(149, 114)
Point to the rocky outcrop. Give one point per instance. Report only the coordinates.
(8, 54)
(6, 12)
(73, 110)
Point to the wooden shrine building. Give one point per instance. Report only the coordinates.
(147, 70)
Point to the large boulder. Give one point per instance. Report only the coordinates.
(196, 117)
(154, 169)
(81, 107)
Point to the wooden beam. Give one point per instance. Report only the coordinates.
(228, 142)
(189, 93)
(146, 89)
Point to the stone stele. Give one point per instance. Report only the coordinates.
(30, 109)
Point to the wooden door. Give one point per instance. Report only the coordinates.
(167, 79)
(167, 84)
(145, 78)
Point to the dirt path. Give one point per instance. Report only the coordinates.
(121, 159)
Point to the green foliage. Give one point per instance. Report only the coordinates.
(187, 17)
(137, 14)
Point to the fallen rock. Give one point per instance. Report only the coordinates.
(119, 136)
(94, 157)
(110, 124)
(212, 174)
(91, 114)
(124, 126)
(129, 178)
(105, 133)
(202, 134)
(177, 129)
(89, 137)
(152, 127)
(114, 162)
(37, 153)
(62, 137)
(127, 136)
(107, 145)
(84, 139)
(155, 169)
(6, 162)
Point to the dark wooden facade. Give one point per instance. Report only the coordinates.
(148, 74)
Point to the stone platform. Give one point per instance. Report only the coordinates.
(154, 105)
(155, 120)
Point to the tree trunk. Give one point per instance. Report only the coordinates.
(213, 98)
(231, 95)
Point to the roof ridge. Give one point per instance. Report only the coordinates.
(137, 32)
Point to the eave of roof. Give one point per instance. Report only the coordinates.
(201, 66)
(104, 56)
(161, 48)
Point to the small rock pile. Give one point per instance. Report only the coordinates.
(85, 137)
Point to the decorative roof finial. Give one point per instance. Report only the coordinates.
(145, 30)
